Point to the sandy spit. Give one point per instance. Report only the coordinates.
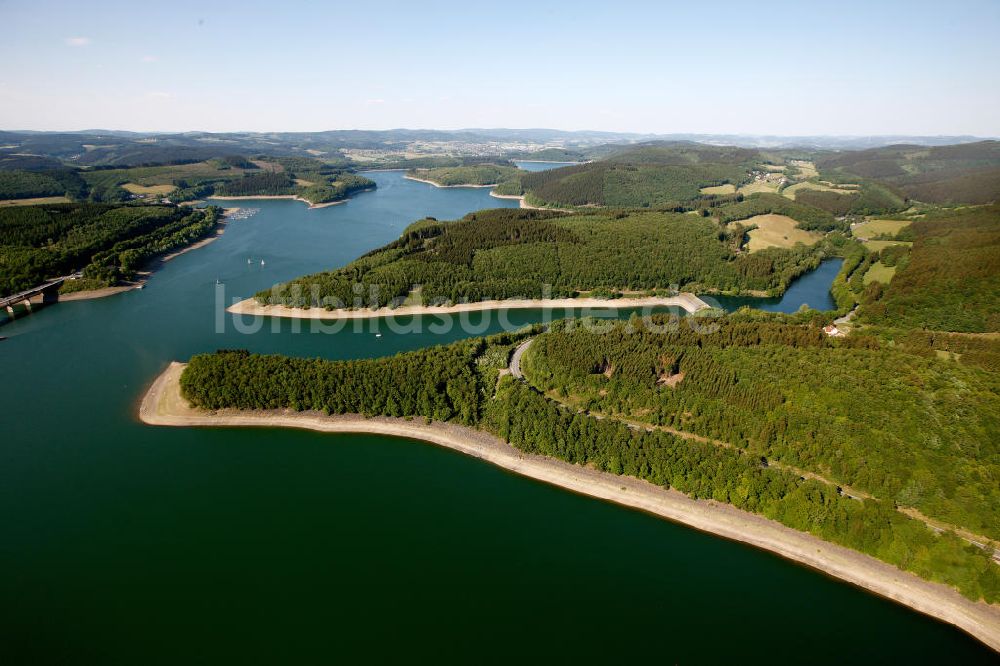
(250, 306)
(163, 405)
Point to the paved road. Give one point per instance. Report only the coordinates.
(515, 359)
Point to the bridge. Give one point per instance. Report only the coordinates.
(46, 289)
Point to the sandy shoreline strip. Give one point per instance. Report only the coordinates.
(293, 197)
(250, 306)
(431, 182)
(163, 405)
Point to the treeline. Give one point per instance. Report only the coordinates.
(107, 242)
(951, 281)
(507, 253)
(457, 383)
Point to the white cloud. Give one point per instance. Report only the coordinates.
(78, 41)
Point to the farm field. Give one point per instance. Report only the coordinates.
(879, 272)
(727, 188)
(879, 245)
(158, 190)
(872, 228)
(777, 231)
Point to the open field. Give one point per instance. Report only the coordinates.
(158, 190)
(728, 188)
(809, 185)
(872, 228)
(766, 186)
(777, 231)
(34, 202)
(806, 169)
(879, 245)
(879, 272)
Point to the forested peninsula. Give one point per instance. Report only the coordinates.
(684, 411)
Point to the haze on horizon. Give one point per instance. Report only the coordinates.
(854, 68)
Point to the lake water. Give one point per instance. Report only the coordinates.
(541, 166)
(129, 544)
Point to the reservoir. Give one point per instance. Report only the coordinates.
(124, 543)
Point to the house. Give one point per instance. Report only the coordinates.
(833, 331)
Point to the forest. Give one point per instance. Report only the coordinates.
(107, 242)
(458, 383)
(509, 253)
(951, 279)
(480, 174)
(914, 429)
(965, 173)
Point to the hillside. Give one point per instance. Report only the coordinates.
(965, 173)
(950, 278)
(643, 176)
(107, 242)
(233, 175)
(505, 253)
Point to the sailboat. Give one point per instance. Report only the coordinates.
(249, 261)
(261, 262)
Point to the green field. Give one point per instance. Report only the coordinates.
(879, 273)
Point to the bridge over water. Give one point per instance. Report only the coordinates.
(47, 290)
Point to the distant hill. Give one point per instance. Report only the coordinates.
(642, 176)
(964, 173)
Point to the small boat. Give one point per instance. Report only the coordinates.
(378, 335)
(249, 261)
(217, 281)
(261, 262)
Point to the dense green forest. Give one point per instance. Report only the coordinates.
(507, 253)
(641, 177)
(951, 279)
(107, 242)
(50, 183)
(913, 429)
(480, 174)
(458, 383)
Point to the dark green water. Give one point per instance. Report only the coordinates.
(130, 544)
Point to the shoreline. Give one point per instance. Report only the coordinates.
(524, 203)
(163, 405)
(444, 187)
(151, 267)
(293, 197)
(689, 302)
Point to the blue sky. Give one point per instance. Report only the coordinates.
(765, 67)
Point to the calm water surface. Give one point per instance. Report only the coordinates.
(129, 544)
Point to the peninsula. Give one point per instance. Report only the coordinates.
(164, 404)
